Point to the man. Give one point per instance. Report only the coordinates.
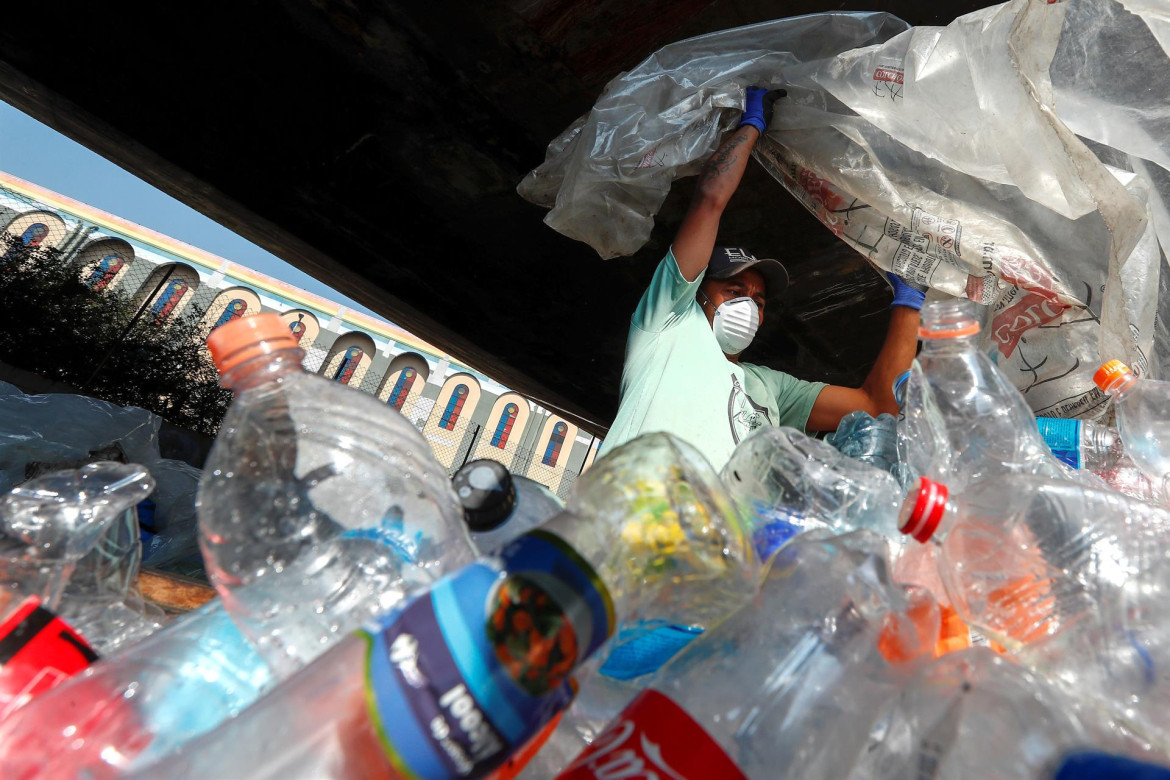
(682, 372)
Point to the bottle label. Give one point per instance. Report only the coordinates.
(1063, 438)
(653, 737)
(38, 650)
(645, 646)
(470, 671)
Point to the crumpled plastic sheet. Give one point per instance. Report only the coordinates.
(40, 433)
(1017, 156)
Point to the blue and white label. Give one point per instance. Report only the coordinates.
(1063, 438)
(469, 672)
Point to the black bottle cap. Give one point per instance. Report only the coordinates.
(487, 493)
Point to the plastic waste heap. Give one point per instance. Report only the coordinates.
(466, 674)
(499, 506)
(1143, 419)
(320, 508)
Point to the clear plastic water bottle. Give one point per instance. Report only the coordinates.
(1081, 444)
(964, 419)
(872, 440)
(973, 708)
(1073, 579)
(1143, 418)
(785, 686)
(499, 506)
(784, 483)
(457, 681)
(320, 508)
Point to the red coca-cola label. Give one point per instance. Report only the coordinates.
(653, 739)
(38, 650)
(1031, 311)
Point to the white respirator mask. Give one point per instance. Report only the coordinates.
(735, 323)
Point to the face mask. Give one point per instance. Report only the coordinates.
(735, 324)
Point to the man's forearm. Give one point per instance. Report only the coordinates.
(896, 355)
(722, 174)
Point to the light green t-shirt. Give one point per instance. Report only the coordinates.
(677, 380)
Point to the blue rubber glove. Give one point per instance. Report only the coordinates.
(1090, 765)
(757, 109)
(904, 294)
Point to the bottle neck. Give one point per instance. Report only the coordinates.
(272, 367)
(1122, 385)
(949, 346)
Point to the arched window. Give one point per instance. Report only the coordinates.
(553, 451)
(34, 234)
(504, 426)
(298, 328)
(171, 295)
(454, 408)
(349, 364)
(402, 387)
(232, 311)
(104, 272)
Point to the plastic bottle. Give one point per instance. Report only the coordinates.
(964, 420)
(1082, 444)
(649, 533)
(782, 688)
(499, 506)
(973, 710)
(784, 483)
(871, 440)
(319, 508)
(1073, 579)
(1143, 418)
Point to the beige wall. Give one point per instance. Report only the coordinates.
(446, 443)
(399, 364)
(56, 227)
(551, 475)
(90, 258)
(306, 318)
(184, 273)
(336, 356)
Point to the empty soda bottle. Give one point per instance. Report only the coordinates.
(320, 508)
(783, 686)
(964, 419)
(499, 506)
(457, 681)
(1072, 579)
(784, 483)
(1143, 418)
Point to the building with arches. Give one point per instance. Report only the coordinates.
(462, 413)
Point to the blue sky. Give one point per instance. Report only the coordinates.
(36, 153)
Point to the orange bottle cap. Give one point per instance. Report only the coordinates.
(247, 337)
(1109, 373)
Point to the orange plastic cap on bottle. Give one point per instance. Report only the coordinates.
(248, 337)
(1108, 374)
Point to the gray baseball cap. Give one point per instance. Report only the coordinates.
(727, 261)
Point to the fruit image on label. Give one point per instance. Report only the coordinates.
(533, 639)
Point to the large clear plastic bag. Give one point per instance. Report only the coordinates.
(1015, 157)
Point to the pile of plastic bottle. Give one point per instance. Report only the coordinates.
(962, 590)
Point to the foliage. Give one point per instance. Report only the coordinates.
(61, 329)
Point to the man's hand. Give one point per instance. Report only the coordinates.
(758, 103)
(905, 294)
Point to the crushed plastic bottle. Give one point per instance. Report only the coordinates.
(781, 688)
(872, 440)
(784, 483)
(1081, 444)
(965, 420)
(1075, 580)
(320, 508)
(1143, 419)
(499, 506)
(969, 709)
(649, 533)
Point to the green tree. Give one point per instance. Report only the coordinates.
(56, 326)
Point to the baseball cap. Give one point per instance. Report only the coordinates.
(727, 261)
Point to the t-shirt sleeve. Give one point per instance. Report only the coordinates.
(667, 298)
(794, 398)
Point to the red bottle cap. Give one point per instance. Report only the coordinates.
(924, 509)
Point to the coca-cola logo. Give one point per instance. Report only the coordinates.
(1031, 311)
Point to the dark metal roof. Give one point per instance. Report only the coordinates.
(377, 146)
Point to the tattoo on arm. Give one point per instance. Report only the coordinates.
(724, 157)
